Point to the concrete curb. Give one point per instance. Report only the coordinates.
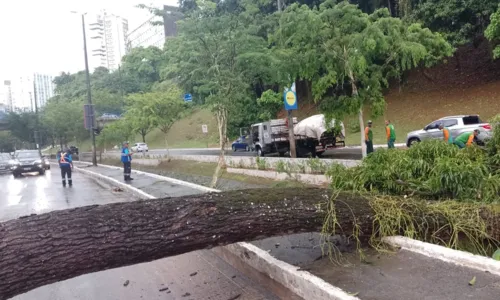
(164, 178)
(137, 192)
(314, 179)
(448, 255)
(302, 283)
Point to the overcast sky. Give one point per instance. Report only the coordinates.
(44, 36)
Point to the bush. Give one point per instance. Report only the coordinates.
(432, 168)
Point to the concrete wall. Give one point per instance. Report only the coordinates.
(247, 162)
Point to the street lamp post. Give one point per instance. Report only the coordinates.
(89, 94)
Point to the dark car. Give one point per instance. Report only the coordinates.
(46, 162)
(5, 160)
(242, 143)
(73, 149)
(27, 161)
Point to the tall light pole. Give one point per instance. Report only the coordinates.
(89, 94)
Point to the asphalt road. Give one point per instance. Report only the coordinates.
(195, 275)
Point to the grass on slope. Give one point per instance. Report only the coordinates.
(407, 110)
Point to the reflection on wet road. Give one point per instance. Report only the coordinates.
(35, 194)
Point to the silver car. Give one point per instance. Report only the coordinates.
(456, 124)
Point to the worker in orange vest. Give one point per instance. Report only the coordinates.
(66, 164)
(446, 134)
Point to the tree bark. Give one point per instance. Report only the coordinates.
(43, 249)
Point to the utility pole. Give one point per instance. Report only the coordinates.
(37, 137)
(89, 94)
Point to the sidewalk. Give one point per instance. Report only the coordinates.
(153, 186)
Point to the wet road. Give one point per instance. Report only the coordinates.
(36, 194)
(195, 275)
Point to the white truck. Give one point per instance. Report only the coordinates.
(312, 136)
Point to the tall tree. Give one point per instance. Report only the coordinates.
(354, 54)
(492, 33)
(460, 21)
(212, 56)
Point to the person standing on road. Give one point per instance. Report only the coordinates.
(127, 162)
(466, 139)
(446, 134)
(66, 164)
(369, 138)
(391, 134)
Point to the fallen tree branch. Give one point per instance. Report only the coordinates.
(41, 249)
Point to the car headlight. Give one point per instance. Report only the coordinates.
(39, 161)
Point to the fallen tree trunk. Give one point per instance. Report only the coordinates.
(43, 249)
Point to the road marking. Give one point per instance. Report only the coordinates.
(164, 178)
(135, 190)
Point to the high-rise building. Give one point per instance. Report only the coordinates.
(147, 34)
(150, 33)
(106, 40)
(43, 88)
(6, 95)
(24, 93)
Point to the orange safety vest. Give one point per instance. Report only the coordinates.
(62, 159)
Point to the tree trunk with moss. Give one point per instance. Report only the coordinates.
(43, 249)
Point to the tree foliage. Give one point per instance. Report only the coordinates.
(460, 21)
(353, 55)
(492, 33)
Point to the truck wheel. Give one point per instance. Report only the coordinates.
(260, 152)
(41, 172)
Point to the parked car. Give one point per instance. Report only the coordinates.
(140, 147)
(242, 143)
(456, 124)
(5, 158)
(27, 161)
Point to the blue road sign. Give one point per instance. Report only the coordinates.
(188, 97)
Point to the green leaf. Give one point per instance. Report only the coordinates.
(496, 255)
(472, 281)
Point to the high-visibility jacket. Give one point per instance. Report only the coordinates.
(126, 156)
(467, 138)
(390, 132)
(447, 136)
(368, 134)
(64, 159)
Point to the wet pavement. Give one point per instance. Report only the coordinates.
(403, 275)
(195, 275)
(36, 194)
(192, 276)
(156, 187)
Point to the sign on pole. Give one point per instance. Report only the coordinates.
(88, 116)
(204, 128)
(188, 98)
(290, 99)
